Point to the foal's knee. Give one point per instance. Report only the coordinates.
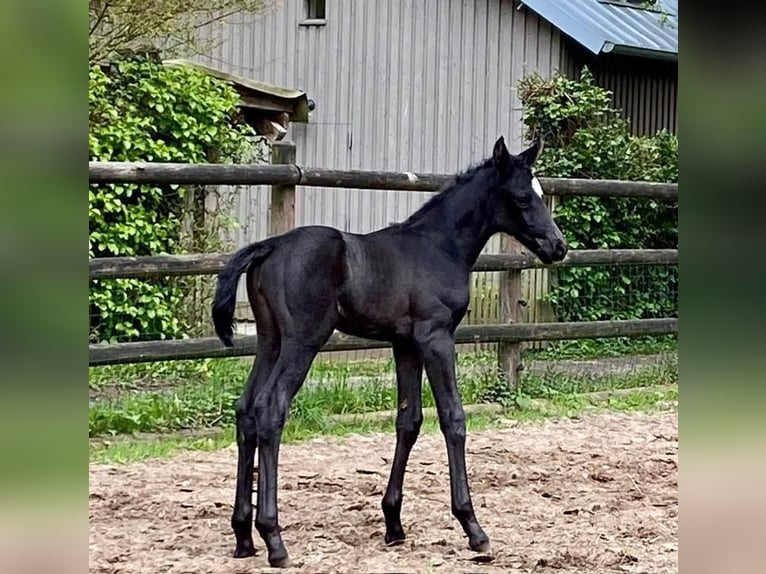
(246, 423)
(453, 426)
(408, 425)
(270, 422)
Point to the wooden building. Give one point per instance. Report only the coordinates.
(428, 85)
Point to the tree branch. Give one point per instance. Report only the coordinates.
(116, 25)
(99, 18)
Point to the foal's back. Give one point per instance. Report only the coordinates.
(372, 285)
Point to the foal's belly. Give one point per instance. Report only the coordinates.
(378, 320)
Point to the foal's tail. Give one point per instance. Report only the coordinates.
(226, 292)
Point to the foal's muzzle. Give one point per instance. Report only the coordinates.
(550, 250)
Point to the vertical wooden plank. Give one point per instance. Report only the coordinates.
(443, 103)
(554, 62)
(667, 113)
(656, 98)
(674, 109)
(455, 83)
(379, 86)
(419, 111)
(664, 103)
(282, 209)
(643, 127)
(508, 99)
(354, 143)
(469, 58)
(424, 123)
(392, 103)
(544, 46)
(479, 111)
(519, 67)
(635, 102)
(492, 82)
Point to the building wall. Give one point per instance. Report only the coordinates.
(399, 85)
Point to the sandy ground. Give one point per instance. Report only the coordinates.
(592, 495)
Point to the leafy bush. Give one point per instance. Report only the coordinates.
(140, 110)
(585, 137)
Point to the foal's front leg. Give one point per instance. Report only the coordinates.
(437, 347)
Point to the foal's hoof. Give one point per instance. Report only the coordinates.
(282, 561)
(244, 550)
(395, 537)
(244, 553)
(482, 547)
(398, 541)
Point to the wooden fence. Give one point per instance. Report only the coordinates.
(283, 175)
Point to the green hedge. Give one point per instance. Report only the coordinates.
(140, 110)
(585, 137)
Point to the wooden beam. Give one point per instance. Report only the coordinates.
(225, 174)
(211, 263)
(191, 174)
(368, 179)
(211, 347)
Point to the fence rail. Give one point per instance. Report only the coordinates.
(211, 347)
(288, 174)
(211, 263)
(283, 175)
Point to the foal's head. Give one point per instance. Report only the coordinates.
(520, 210)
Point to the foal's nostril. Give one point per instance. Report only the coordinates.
(560, 250)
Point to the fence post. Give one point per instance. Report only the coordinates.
(509, 354)
(282, 208)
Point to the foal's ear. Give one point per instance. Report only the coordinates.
(500, 156)
(529, 156)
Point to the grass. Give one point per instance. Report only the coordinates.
(585, 349)
(129, 450)
(206, 397)
(551, 383)
(161, 398)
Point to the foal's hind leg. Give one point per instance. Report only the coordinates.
(409, 417)
(247, 430)
(271, 407)
(242, 516)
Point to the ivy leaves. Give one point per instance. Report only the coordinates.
(143, 111)
(585, 137)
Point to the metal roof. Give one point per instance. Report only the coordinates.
(616, 26)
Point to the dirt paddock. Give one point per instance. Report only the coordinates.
(593, 495)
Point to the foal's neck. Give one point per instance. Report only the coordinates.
(459, 218)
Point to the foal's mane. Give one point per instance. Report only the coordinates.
(468, 178)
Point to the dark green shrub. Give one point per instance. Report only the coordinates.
(140, 110)
(585, 137)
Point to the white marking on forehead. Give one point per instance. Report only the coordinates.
(537, 187)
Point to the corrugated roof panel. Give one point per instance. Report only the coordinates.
(605, 26)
